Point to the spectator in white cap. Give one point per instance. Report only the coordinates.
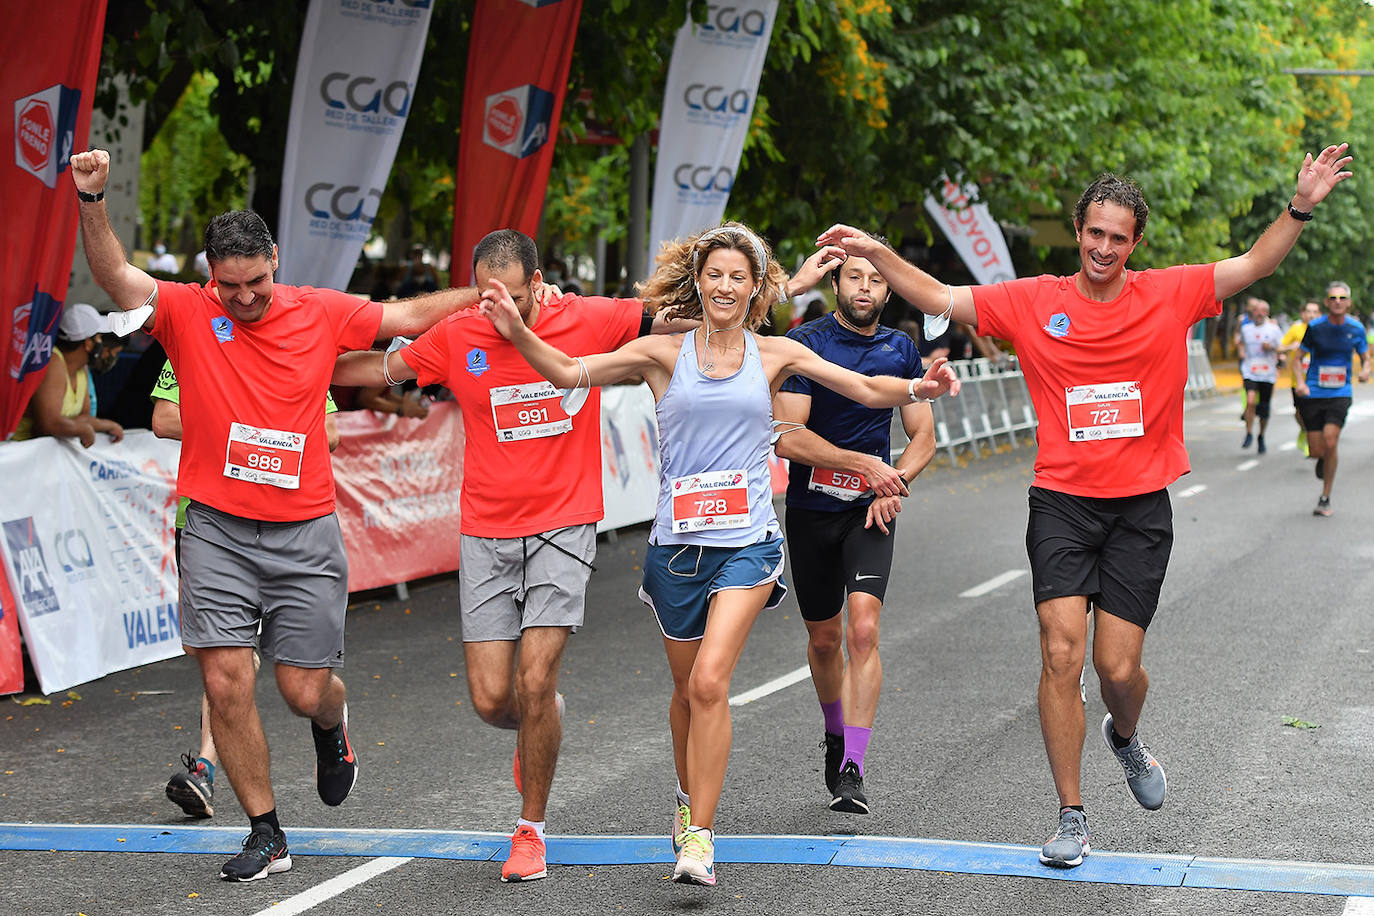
(61, 405)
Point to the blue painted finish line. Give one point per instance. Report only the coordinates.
(855, 851)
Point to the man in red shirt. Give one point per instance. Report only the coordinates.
(262, 546)
(530, 502)
(1104, 358)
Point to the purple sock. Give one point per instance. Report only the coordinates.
(855, 744)
(834, 717)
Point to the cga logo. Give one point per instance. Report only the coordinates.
(341, 202)
(732, 19)
(517, 121)
(44, 131)
(692, 177)
(700, 97)
(346, 91)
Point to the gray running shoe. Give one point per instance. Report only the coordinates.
(1323, 507)
(1144, 775)
(1069, 844)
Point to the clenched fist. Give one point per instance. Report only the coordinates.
(90, 170)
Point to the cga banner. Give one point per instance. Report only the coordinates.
(50, 53)
(973, 232)
(708, 104)
(354, 82)
(397, 483)
(88, 551)
(518, 60)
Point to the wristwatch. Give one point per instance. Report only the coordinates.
(90, 198)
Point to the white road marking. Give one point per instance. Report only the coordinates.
(1358, 906)
(1192, 491)
(1288, 447)
(334, 886)
(1247, 465)
(773, 686)
(995, 582)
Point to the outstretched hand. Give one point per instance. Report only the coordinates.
(90, 170)
(499, 308)
(1318, 176)
(850, 240)
(814, 268)
(938, 380)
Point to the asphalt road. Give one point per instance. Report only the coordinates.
(1265, 616)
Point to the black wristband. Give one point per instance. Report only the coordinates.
(1301, 216)
(90, 198)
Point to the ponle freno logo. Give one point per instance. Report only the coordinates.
(44, 131)
(517, 121)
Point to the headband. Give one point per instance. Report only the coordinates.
(754, 240)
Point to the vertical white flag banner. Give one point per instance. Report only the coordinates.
(355, 78)
(973, 232)
(707, 106)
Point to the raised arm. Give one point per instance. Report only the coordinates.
(1316, 178)
(906, 279)
(412, 317)
(128, 286)
(785, 357)
(796, 442)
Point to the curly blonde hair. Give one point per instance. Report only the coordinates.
(673, 286)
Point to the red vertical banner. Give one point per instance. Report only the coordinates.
(518, 61)
(51, 55)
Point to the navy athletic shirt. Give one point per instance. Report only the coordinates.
(835, 418)
(1328, 374)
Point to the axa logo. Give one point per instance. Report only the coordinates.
(1058, 325)
(690, 176)
(518, 121)
(35, 323)
(360, 93)
(346, 203)
(701, 97)
(31, 578)
(45, 130)
(477, 362)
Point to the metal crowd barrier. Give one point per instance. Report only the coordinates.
(994, 406)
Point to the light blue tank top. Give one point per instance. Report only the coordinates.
(713, 443)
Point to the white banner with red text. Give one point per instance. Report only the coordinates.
(972, 231)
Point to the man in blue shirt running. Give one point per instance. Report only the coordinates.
(1324, 391)
(842, 502)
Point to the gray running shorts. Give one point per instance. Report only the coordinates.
(508, 584)
(290, 576)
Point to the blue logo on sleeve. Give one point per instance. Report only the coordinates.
(477, 361)
(223, 328)
(1058, 325)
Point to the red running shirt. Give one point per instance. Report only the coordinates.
(253, 441)
(527, 467)
(1106, 378)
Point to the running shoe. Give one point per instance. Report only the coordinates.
(336, 766)
(1259, 445)
(1069, 844)
(1321, 468)
(1144, 775)
(697, 863)
(680, 825)
(526, 859)
(515, 761)
(1323, 507)
(1249, 440)
(264, 853)
(849, 791)
(834, 756)
(194, 790)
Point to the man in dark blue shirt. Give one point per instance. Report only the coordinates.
(1323, 391)
(842, 502)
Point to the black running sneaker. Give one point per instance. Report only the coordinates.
(834, 756)
(1320, 469)
(193, 790)
(264, 853)
(336, 767)
(849, 791)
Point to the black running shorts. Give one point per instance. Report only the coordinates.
(832, 554)
(1113, 551)
(1318, 412)
(1265, 391)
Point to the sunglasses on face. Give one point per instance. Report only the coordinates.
(1337, 298)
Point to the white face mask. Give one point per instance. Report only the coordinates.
(935, 325)
(159, 249)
